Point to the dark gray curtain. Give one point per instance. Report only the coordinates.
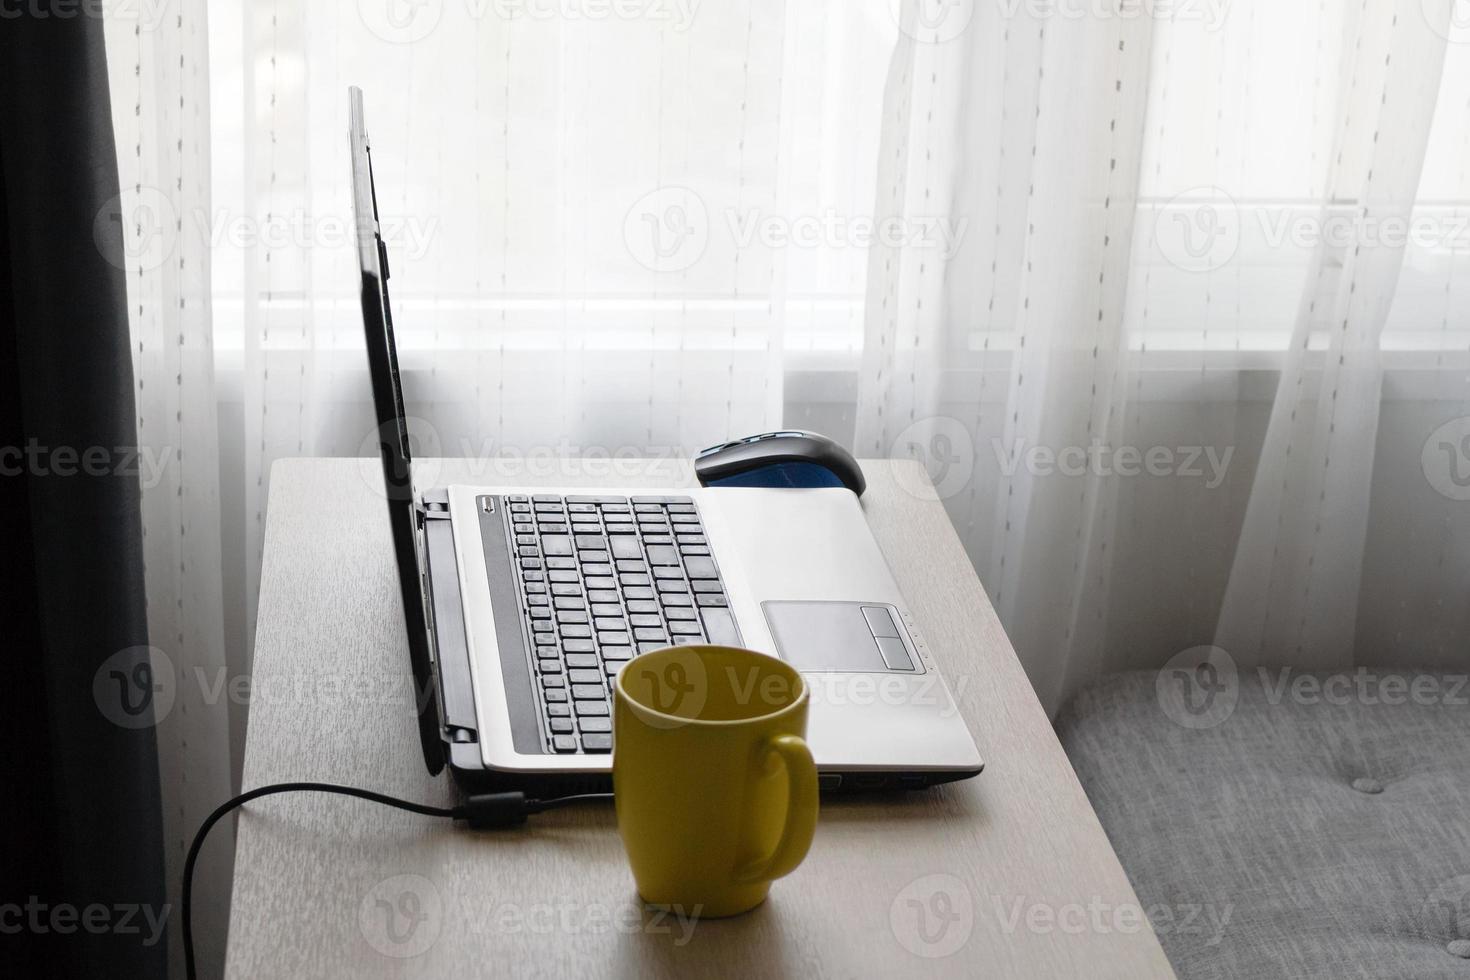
(82, 870)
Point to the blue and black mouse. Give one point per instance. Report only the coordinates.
(789, 458)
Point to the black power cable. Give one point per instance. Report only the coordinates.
(484, 811)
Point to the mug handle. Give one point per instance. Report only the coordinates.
(801, 813)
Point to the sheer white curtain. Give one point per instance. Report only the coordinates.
(1128, 277)
(1199, 239)
(159, 78)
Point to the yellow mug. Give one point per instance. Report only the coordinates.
(715, 788)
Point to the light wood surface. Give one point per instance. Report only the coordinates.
(1007, 875)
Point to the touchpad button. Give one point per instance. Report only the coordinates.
(839, 636)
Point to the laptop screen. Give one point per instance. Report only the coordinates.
(392, 433)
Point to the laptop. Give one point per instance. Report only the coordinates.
(522, 603)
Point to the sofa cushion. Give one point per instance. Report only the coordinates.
(1320, 827)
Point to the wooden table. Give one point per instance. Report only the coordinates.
(1008, 874)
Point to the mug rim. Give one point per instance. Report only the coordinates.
(802, 696)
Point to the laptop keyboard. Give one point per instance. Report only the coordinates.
(603, 579)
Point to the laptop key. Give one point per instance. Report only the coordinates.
(573, 601)
(592, 708)
(596, 724)
(720, 625)
(648, 633)
(613, 639)
(546, 666)
(663, 554)
(700, 567)
(561, 563)
(645, 620)
(588, 692)
(626, 548)
(564, 743)
(712, 599)
(561, 726)
(706, 585)
(570, 616)
(577, 646)
(602, 595)
(596, 742)
(554, 696)
(649, 647)
(676, 599)
(579, 660)
(582, 677)
(550, 682)
(566, 589)
(641, 606)
(636, 592)
(563, 575)
(610, 623)
(616, 654)
(561, 710)
(684, 629)
(682, 613)
(556, 544)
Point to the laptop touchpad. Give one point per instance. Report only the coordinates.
(840, 636)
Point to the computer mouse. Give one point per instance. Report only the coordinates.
(789, 458)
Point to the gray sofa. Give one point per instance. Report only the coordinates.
(1308, 831)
